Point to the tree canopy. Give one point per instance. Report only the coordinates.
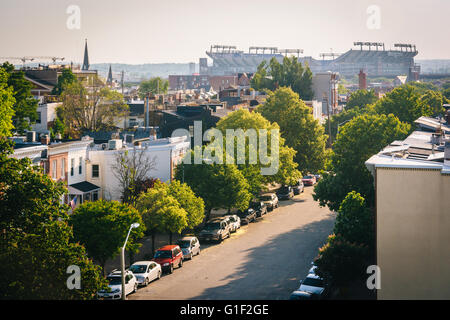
(25, 106)
(154, 86)
(35, 246)
(66, 78)
(298, 127)
(356, 142)
(289, 73)
(361, 99)
(93, 109)
(6, 105)
(102, 227)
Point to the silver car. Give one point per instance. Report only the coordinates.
(235, 222)
(190, 246)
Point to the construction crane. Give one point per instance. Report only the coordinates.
(31, 58)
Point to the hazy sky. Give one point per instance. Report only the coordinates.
(156, 31)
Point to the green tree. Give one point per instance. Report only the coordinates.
(361, 99)
(354, 221)
(435, 101)
(219, 185)
(405, 103)
(298, 127)
(161, 211)
(6, 105)
(95, 109)
(153, 86)
(341, 262)
(25, 107)
(290, 73)
(65, 79)
(102, 227)
(356, 142)
(244, 120)
(35, 243)
(194, 206)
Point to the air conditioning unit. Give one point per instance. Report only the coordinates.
(115, 144)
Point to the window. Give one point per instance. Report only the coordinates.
(63, 168)
(95, 171)
(38, 120)
(87, 197)
(72, 166)
(80, 166)
(95, 196)
(54, 164)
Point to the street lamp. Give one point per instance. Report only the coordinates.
(339, 124)
(122, 259)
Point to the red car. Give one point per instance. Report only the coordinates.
(168, 257)
(309, 180)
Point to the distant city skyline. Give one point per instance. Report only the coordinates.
(174, 31)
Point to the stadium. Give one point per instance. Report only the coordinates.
(372, 57)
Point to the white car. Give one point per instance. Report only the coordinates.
(312, 270)
(146, 271)
(312, 284)
(115, 284)
(235, 222)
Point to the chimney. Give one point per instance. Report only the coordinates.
(362, 80)
(45, 139)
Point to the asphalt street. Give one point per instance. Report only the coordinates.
(262, 261)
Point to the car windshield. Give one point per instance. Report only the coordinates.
(184, 243)
(313, 282)
(307, 177)
(212, 226)
(266, 198)
(138, 268)
(163, 254)
(256, 205)
(284, 189)
(114, 280)
(232, 219)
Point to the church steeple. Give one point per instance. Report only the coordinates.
(86, 58)
(109, 80)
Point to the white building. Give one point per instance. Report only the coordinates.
(46, 115)
(165, 153)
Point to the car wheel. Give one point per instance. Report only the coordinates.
(171, 268)
(180, 264)
(135, 287)
(159, 274)
(146, 282)
(198, 251)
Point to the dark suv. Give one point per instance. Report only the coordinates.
(298, 187)
(169, 257)
(260, 208)
(247, 216)
(285, 193)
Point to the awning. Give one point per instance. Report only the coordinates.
(82, 188)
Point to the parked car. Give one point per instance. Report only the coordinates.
(312, 270)
(247, 215)
(115, 285)
(146, 271)
(285, 193)
(215, 229)
(301, 295)
(313, 284)
(190, 247)
(235, 222)
(298, 187)
(168, 257)
(230, 225)
(309, 180)
(270, 199)
(260, 207)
